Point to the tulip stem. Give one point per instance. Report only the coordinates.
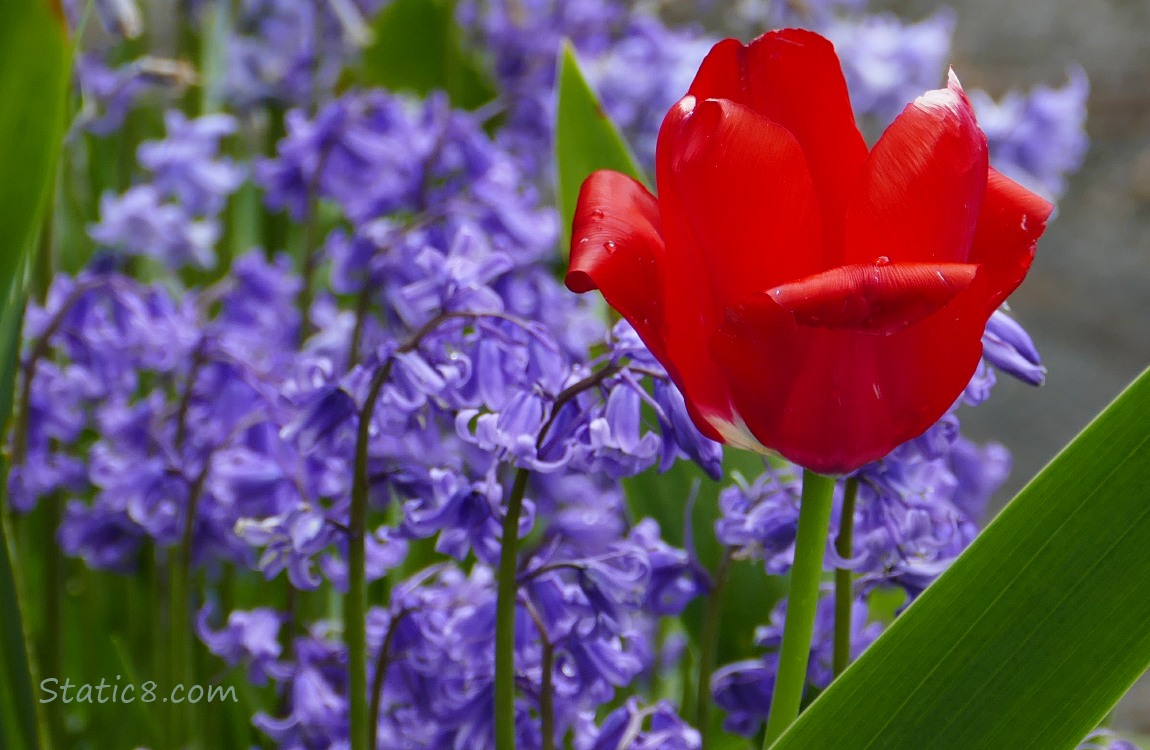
(802, 602)
(506, 594)
(844, 592)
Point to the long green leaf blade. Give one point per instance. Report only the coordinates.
(1034, 633)
(34, 64)
(33, 72)
(585, 139)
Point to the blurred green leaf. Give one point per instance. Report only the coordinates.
(585, 140)
(418, 47)
(34, 58)
(1034, 633)
(34, 65)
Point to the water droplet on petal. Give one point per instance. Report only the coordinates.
(609, 246)
(568, 669)
(882, 260)
(596, 214)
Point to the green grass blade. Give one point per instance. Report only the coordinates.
(34, 63)
(585, 140)
(1034, 633)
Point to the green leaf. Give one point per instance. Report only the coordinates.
(34, 64)
(585, 139)
(417, 47)
(1034, 633)
(34, 60)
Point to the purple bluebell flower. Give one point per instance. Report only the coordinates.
(615, 442)
(743, 690)
(646, 71)
(186, 165)
(820, 668)
(979, 470)
(629, 726)
(104, 539)
(1105, 739)
(887, 62)
(681, 438)
(140, 223)
(291, 54)
(1037, 138)
(909, 525)
(1008, 347)
(314, 688)
(761, 519)
(109, 94)
(463, 514)
(811, 14)
(250, 637)
(675, 578)
(259, 318)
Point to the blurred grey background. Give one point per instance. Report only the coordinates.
(1087, 299)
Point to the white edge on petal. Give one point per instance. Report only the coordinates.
(737, 434)
(949, 100)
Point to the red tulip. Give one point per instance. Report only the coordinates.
(807, 296)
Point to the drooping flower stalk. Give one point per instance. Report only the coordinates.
(844, 593)
(802, 602)
(710, 646)
(355, 603)
(382, 662)
(507, 588)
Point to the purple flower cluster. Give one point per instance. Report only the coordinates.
(582, 633)
(173, 217)
(290, 54)
(1037, 138)
(108, 94)
(888, 62)
(743, 689)
(420, 333)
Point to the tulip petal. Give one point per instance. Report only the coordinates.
(691, 313)
(749, 202)
(617, 248)
(1009, 225)
(834, 399)
(793, 77)
(878, 299)
(922, 187)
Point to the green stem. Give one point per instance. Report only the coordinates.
(178, 633)
(505, 618)
(355, 603)
(381, 664)
(802, 602)
(710, 646)
(844, 591)
(547, 697)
